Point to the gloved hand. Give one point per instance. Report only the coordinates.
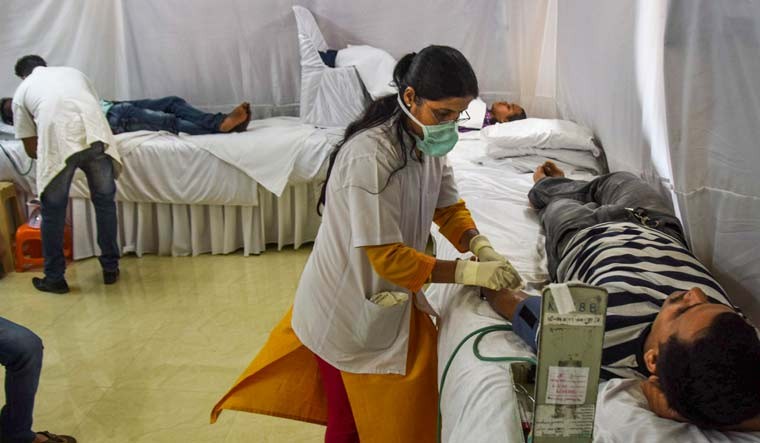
(494, 275)
(481, 247)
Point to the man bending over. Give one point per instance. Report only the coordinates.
(668, 320)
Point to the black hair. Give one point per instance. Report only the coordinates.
(7, 116)
(520, 116)
(713, 380)
(435, 73)
(26, 64)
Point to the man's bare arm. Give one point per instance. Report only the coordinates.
(504, 302)
(30, 146)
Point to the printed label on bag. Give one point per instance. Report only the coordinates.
(567, 385)
(574, 319)
(564, 421)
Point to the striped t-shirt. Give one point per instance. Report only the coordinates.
(639, 267)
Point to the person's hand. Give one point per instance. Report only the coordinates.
(481, 247)
(30, 146)
(494, 275)
(657, 401)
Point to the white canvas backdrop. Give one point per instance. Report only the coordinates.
(672, 89)
(217, 54)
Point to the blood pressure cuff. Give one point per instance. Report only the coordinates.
(526, 319)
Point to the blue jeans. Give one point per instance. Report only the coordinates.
(98, 168)
(171, 114)
(21, 354)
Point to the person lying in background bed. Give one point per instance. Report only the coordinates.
(503, 112)
(500, 112)
(172, 114)
(668, 320)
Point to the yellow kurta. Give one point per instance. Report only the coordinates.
(283, 381)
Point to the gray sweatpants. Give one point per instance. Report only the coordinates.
(567, 206)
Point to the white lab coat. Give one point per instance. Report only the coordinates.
(60, 106)
(332, 314)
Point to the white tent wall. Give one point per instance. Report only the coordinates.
(712, 79)
(84, 34)
(672, 91)
(217, 54)
(671, 88)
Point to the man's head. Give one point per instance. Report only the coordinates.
(26, 64)
(506, 112)
(706, 357)
(6, 110)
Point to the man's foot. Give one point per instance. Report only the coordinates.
(548, 169)
(46, 285)
(110, 277)
(47, 437)
(552, 170)
(234, 118)
(242, 127)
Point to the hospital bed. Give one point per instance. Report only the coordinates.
(188, 195)
(478, 402)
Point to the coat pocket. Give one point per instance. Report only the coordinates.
(379, 324)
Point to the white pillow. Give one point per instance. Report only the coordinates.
(537, 133)
(374, 65)
(477, 111)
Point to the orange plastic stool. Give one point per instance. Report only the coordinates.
(29, 246)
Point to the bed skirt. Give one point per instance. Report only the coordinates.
(188, 229)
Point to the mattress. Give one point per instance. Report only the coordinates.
(218, 169)
(478, 402)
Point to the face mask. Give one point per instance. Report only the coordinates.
(438, 140)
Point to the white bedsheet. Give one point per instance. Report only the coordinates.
(219, 169)
(15, 150)
(478, 402)
(374, 65)
(267, 152)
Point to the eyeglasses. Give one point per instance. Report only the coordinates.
(463, 117)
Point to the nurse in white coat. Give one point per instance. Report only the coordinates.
(57, 114)
(355, 309)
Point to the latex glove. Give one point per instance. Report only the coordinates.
(494, 275)
(389, 298)
(481, 247)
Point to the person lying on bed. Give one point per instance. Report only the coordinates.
(503, 112)
(172, 114)
(500, 112)
(668, 321)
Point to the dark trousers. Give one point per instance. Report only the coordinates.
(98, 168)
(567, 206)
(171, 114)
(21, 354)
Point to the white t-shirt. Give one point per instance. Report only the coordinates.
(332, 314)
(60, 106)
